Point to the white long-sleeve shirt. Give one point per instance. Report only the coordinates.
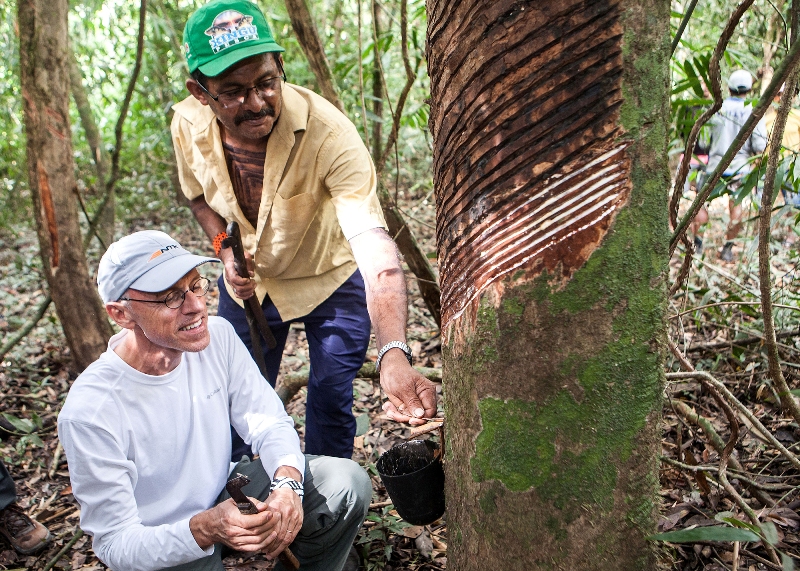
(725, 126)
(146, 453)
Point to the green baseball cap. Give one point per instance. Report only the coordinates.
(224, 32)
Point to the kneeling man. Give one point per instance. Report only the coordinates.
(146, 430)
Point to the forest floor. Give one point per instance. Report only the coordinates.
(35, 377)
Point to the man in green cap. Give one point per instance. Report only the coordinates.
(292, 170)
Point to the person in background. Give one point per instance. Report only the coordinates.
(724, 127)
(26, 535)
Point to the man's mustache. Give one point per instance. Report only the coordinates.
(248, 115)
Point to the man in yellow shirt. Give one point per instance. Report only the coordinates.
(293, 172)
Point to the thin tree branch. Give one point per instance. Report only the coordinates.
(703, 376)
(361, 76)
(291, 383)
(114, 176)
(684, 410)
(787, 400)
(76, 536)
(745, 479)
(724, 303)
(733, 423)
(411, 76)
(27, 328)
(682, 27)
(741, 342)
(683, 170)
(716, 91)
(123, 113)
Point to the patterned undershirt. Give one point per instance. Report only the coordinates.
(246, 169)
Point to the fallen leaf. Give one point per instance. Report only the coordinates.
(412, 531)
(424, 544)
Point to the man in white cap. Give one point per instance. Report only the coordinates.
(146, 433)
(725, 126)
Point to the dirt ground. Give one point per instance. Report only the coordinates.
(35, 377)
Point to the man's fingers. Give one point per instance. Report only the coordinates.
(251, 266)
(427, 395)
(391, 412)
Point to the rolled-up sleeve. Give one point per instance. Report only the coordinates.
(181, 142)
(349, 175)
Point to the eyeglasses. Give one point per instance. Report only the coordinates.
(236, 97)
(176, 298)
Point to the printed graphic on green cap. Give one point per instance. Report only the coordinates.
(224, 32)
(230, 28)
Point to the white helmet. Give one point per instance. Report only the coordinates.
(740, 80)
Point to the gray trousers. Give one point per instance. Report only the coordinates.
(8, 492)
(337, 496)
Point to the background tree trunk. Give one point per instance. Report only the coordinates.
(307, 35)
(550, 132)
(44, 77)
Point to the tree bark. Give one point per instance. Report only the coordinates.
(44, 79)
(550, 132)
(307, 35)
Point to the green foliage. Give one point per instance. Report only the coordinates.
(27, 430)
(385, 526)
(690, 94)
(362, 424)
(712, 533)
(103, 38)
(736, 530)
(14, 197)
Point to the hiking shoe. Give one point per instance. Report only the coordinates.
(353, 562)
(698, 245)
(25, 534)
(726, 254)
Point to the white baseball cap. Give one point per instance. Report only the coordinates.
(148, 261)
(740, 80)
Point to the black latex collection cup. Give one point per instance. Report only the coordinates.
(414, 478)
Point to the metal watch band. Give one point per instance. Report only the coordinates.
(392, 345)
(286, 482)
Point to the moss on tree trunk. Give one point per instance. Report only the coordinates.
(550, 138)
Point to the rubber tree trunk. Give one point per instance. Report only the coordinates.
(44, 78)
(550, 130)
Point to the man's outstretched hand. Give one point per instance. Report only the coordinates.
(412, 397)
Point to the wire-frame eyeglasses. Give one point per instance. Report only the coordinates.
(236, 97)
(176, 298)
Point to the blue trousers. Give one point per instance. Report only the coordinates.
(338, 335)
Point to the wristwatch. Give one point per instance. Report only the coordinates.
(392, 345)
(286, 482)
